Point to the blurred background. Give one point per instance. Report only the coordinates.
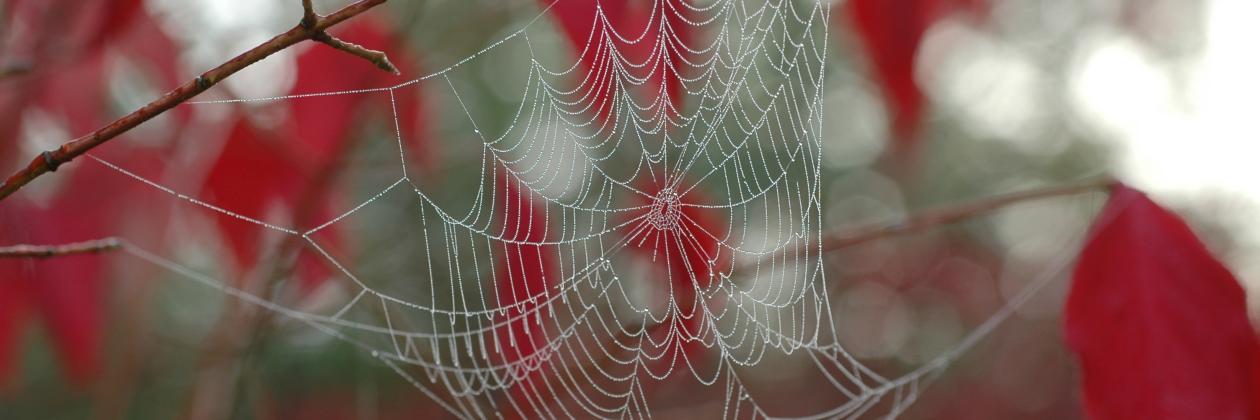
(928, 102)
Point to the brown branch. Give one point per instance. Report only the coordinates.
(376, 57)
(48, 161)
(940, 216)
(49, 251)
(917, 222)
(14, 69)
(308, 13)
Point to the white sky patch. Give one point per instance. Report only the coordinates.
(214, 31)
(1182, 141)
(995, 87)
(856, 130)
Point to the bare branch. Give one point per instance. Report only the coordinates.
(915, 223)
(940, 216)
(376, 57)
(48, 161)
(308, 13)
(18, 68)
(49, 251)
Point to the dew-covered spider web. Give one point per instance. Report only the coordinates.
(649, 213)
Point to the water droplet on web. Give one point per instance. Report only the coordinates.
(561, 145)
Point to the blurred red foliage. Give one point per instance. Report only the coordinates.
(257, 169)
(524, 271)
(633, 30)
(67, 43)
(68, 293)
(324, 124)
(891, 32)
(635, 33)
(690, 255)
(1159, 325)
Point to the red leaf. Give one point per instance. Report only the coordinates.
(527, 270)
(686, 246)
(71, 81)
(249, 175)
(255, 172)
(632, 20)
(1159, 325)
(524, 271)
(76, 95)
(115, 19)
(413, 123)
(891, 32)
(158, 56)
(12, 310)
(69, 295)
(259, 170)
(67, 292)
(324, 123)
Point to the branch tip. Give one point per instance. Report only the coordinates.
(47, 251)
(312, 24)
(375, 57)
(309, 18)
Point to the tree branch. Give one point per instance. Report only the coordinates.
(940, 216)
(308, 13)
(311, 27)
(840, 239)
(13, 69)
(48, 251)
(376, 57)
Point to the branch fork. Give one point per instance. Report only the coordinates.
(309, 21)
(311, 27)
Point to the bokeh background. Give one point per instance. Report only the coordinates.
(997, 96)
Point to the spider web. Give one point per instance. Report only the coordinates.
(533, 299)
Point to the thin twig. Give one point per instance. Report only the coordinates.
(49, 161)
(376, 57)
(918, 222)
(939, 216)
(49, 251)
(308, 13)
(19, 68)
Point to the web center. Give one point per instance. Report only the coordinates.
(665, 213)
